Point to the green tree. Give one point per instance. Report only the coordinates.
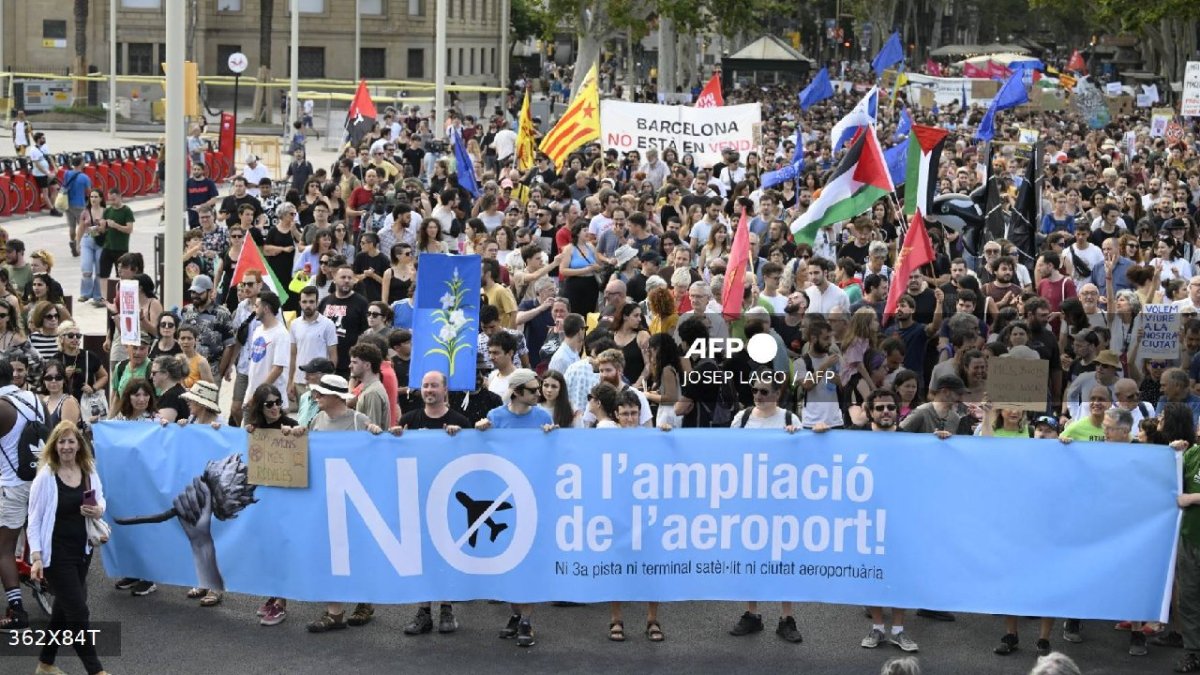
(528, 20)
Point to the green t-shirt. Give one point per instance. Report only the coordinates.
(1005, 433)
(1190, 527)
(113, 240)
(1084, 430)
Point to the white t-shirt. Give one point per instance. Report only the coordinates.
(778, 302)
(599, 225)
(775, 421)
(41, 166)
(1092, 256)
(505, 143)
(821, 402)
(312, 340)
(825, 302)
(498, 384)
(253, 176)
(269, 347)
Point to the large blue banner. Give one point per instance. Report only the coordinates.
(1017, 527)
(446, 319)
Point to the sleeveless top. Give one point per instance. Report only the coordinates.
(193, 375)
(53, 417)
(579, 260)
(26, 407)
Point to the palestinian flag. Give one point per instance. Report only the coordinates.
(920, 181)
(251, 259)
(859, 180)
(361, 117)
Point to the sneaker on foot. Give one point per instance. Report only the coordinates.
(749, 623)
(873, 639)
(525, 634)
(1071, 631)
(16, 618)
(446, 621)
(274, 616)
(904, 642)
(56, 213)
(1137, 644)
(143, 588)
(421, 624)
(1008, 645)
(126, 583)
(265, 608)
(1169, 639)
(510, 629)
(1190, 663)
(788, 631)
(1043, 647)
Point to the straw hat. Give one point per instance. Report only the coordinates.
(204, 394)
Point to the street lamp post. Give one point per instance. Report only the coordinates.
(294, 95)
(174, 204)
(439, 68)
(112, 67)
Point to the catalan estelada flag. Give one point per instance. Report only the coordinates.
(578, 125)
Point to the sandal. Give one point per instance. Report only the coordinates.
(616, 631)
(327, 622)
(654, 632)
(197, 593)
(211, 599)
(362, 614)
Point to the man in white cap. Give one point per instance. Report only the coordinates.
(331, 393)
(520, 412)
(254, 172)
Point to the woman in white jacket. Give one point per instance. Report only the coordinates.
(65, 493)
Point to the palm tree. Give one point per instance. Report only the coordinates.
(262, 98)
(82, 8)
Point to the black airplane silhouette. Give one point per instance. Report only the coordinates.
(475, 510)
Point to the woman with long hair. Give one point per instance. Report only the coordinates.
(908, 388)
(265, 410)
(633, 340)
(1167, 262)
(90, 241)
(310, 259)
(554, 399)
(717, 246)
(400, 276)
(341, 241)
(323, 279)
(166, 342)
(12, 340)
(429, 238)
(43, 287)
(136, 402)
(197, 366)
(577, 268)
(309, 197)
(60, 404)
(1128, 246)
(664, 381)
(64, 494)
(861, 334)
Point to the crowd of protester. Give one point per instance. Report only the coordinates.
(598, 276)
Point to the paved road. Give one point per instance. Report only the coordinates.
(166, 633)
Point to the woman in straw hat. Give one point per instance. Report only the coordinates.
(204, 408)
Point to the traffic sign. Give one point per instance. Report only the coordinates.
(238, 63)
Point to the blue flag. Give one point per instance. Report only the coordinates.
(446, 319)
(818, 90)
(934, 110)
(464, 164)
(905, 125)
(891, 53)
(1011, 95)
(789, 172)
(897, 162)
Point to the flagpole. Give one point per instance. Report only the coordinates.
(439, 69)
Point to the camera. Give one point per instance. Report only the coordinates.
(436, 146)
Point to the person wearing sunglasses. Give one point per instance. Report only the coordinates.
(44, 321)
(86, 374)
(60, 404)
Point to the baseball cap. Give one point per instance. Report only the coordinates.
(1046, 420)
(948, 382)
(521, 377)
(201, 283)
(319, 365)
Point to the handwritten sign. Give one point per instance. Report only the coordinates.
(1160, 339)
(1018, 384)
(128, 310)
(1190, 105)
(278, 460)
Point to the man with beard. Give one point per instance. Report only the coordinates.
(215, 331)
(1045, 343)
(475, 405)
(313, 336)
(875, 290)
(435, 414)
(348, 312)
(789, 324)
(1003, 290)
(916, 335)
(609, 364)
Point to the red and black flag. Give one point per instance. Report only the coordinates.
(361, 117)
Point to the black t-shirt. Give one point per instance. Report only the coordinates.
(231, 204)
(349, 316)
(171, 399)
(413, 158)
(417, 419)
(283, 421)
(475, 405)
(86, 365)
(854, 252)
(792, 336)
(370, 289)
(69, 540)
(702, 394)
(536, 328)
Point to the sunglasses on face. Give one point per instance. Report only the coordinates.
(237, 236)
(374, 313)
(72, 336)
(537, 389)
(166, 324)
(52, 378)
(884, 407)
(50, 316)
(271, 403)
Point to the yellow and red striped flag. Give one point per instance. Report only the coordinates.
(579, 124)
(526, 136)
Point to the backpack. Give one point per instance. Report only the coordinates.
(718, 413)
(32, 440)
(787, 417)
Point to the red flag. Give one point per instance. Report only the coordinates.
(1076, 62)
(933, 68)
(735, 271)
(917, 251)
(711, 96)
(975, 71)
(361, 116)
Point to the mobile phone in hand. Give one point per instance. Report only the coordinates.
(89, 498)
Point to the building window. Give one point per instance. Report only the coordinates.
(54, 29)
(229, 5)
(223, 53)
(449, 61)
(372, 62)
(416, 7)
(474, 7)
(141, 58)
(449, 8)
(309, 7)
(312, 62)
(141, 4)
(460, 61)
(416, 64)
(462, 9)
(371, 7)
(493, 70)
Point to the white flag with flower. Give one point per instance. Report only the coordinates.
(453, 320)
